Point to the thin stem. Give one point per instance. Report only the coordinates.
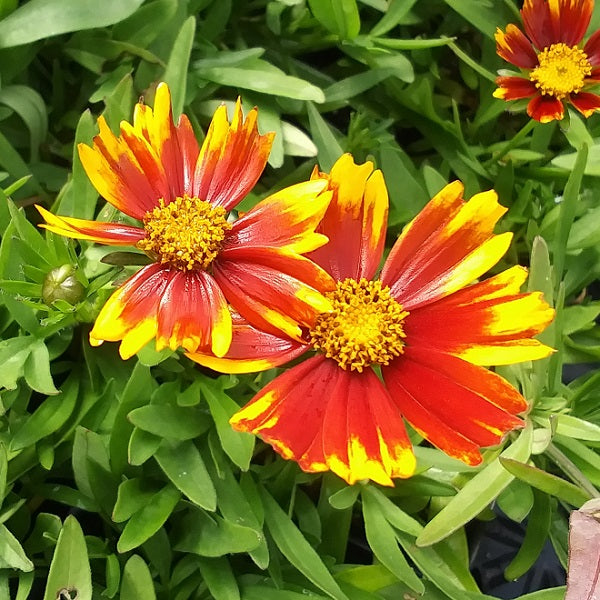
(571, 470)
(513, 142)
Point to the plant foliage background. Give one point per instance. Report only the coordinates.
(123, 479)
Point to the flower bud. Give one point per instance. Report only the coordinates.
(61, 284)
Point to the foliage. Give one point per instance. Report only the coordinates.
(123, 478)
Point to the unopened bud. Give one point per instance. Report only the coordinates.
(61, 284)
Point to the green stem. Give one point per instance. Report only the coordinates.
(513, 142)
(571, 470)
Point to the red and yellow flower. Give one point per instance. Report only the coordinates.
(555, 68)
(424, 324)
(204, 264)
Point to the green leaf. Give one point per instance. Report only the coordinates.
(12, 555)
(137, 580)
(148, 520)
(568, 208)
(219, 578)
(356, 84)
(174, 422)
(265, 81)
(177, 67)
(382, 540)
(328, 146)
(79, 197)
(238, 446)
(36, 369)
(13, 355)
(551, 484)
(184, 466)
(70, 567)
(296, 549)
(393, 514)
(263, 592)
(338, 16)
(39, 19)
(476, 494)
(213, 536)
(132, 496)
(536, 534)
(485, 15)
(30, 106)
(344, 498)
(50, 416)
(580, 429)
(396, 11)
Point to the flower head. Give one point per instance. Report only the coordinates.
(204, 263)
(423, 323)
(555, 69)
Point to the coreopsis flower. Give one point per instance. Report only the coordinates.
(155, 172)
(422, 324)
(555, 68)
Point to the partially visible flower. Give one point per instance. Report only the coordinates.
(555, 68)
(421, 323)
(155, 172)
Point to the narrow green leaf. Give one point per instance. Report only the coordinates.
(50, 416)
(476, 494)
(70, 567)
(12, 555)
(137, 580)
(393, 514)
(133, 495)
(219, 578)
(177, 67)
(148, 520)
(384, 544)
(338, 16)
(184, 466)
(580, 429)
(395, 12)
(536, 534)
(551, 484)
(267, 82)
(36, 369)
(568, 208)
(39, 19)
(167, 421)
(237, 445)
(328, 146)
(213, 536)
(356, 84)
(296, 549)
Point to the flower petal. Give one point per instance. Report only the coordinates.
(130, 314)
(514, 88)
(125, 170)
(448, 245)
(541, 20)
(114, 234)
(274, 289)
(355, 221)
(514, 47)
(327, 418)
(193, 313)
(545, 109)
(483, 324)
(251, 350)
(592, 49)
(586, 103)
(175, 145)
(453, 413)
(573, 17)
(231, 159)
(287, 219)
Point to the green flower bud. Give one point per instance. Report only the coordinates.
(61, 284)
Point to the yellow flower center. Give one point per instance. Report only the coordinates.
(186, 233)
(363, 328)
(561, 71)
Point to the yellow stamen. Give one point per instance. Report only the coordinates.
(363, 328)
(186, 233)
(561, 71)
